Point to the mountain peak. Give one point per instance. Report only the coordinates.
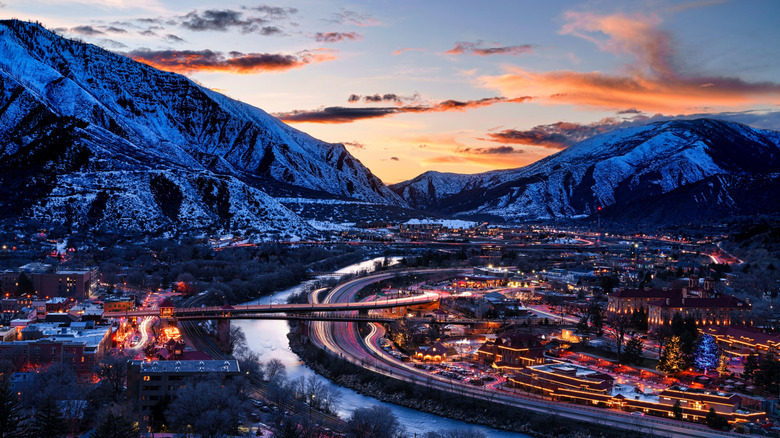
(628, 164)
(77, 108)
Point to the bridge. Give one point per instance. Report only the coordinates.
(255, 311)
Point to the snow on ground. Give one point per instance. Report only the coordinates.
(449, 223)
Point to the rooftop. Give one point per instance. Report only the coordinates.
(188, 366)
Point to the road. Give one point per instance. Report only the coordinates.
(342, 339)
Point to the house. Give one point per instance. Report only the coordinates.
(435, 353)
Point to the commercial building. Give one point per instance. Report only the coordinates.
(45, 344)
(512, 352)
(148, 383)
(46, 281)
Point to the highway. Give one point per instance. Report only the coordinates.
(342, 339)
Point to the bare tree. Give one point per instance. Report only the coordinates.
(112, 370)
(375, 422)
(619, 322)
(211, 408)
(275, 369)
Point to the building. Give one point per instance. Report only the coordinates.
(45, 344)
(47, 281)
(628, 300)
(472, 281)
(566, 382)
(435, 353)
(118, 304)
(722, 310)
(149, 383)
(512, 352)
(550, 379)
(743, 341)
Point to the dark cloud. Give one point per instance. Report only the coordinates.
(220, 20)
(114, 29)
(187, 61)
(334, 37)
(338, 114)
(148, 32)
(630, 111)
(387, 97)
(171, 38)
(86, 30)
(493, 150)
(275, 12)
(559, 135)
(478, 48)
(354, 144)
(354, 18)
(112, 43)
(394, 158)
(270, 30)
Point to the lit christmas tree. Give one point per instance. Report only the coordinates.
(672, 360)
(723, 365)
(707, 354)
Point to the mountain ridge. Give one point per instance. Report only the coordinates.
(68, 107)
(624, 165)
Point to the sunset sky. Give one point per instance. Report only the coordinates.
(456, 86)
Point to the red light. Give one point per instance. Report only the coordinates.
(599, 208)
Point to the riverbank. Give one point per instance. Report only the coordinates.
(442, 403)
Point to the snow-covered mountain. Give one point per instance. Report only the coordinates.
(87, 135)
(624, 167)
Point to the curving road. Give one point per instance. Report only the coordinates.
(343, 339)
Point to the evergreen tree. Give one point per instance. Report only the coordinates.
(707, 353)
(677, 410)
(596, 314)
(633, 352)
(678, 325)
(12, 420)
(672, 360)
(715, 421)
(751, 365)
(115, 426)
(49, 421)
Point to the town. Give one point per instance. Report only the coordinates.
(659, 334)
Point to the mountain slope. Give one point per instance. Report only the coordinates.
(67, 107)
(622, 166)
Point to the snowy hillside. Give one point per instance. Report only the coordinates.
(70, 108)
(622, 166)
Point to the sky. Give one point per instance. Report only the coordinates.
(452, 86)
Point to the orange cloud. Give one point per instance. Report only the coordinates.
(188, 61)
(651, 82)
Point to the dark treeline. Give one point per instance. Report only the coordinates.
(233, 275)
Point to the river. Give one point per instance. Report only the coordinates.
(269, 339)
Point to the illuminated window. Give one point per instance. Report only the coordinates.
(146, 378)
